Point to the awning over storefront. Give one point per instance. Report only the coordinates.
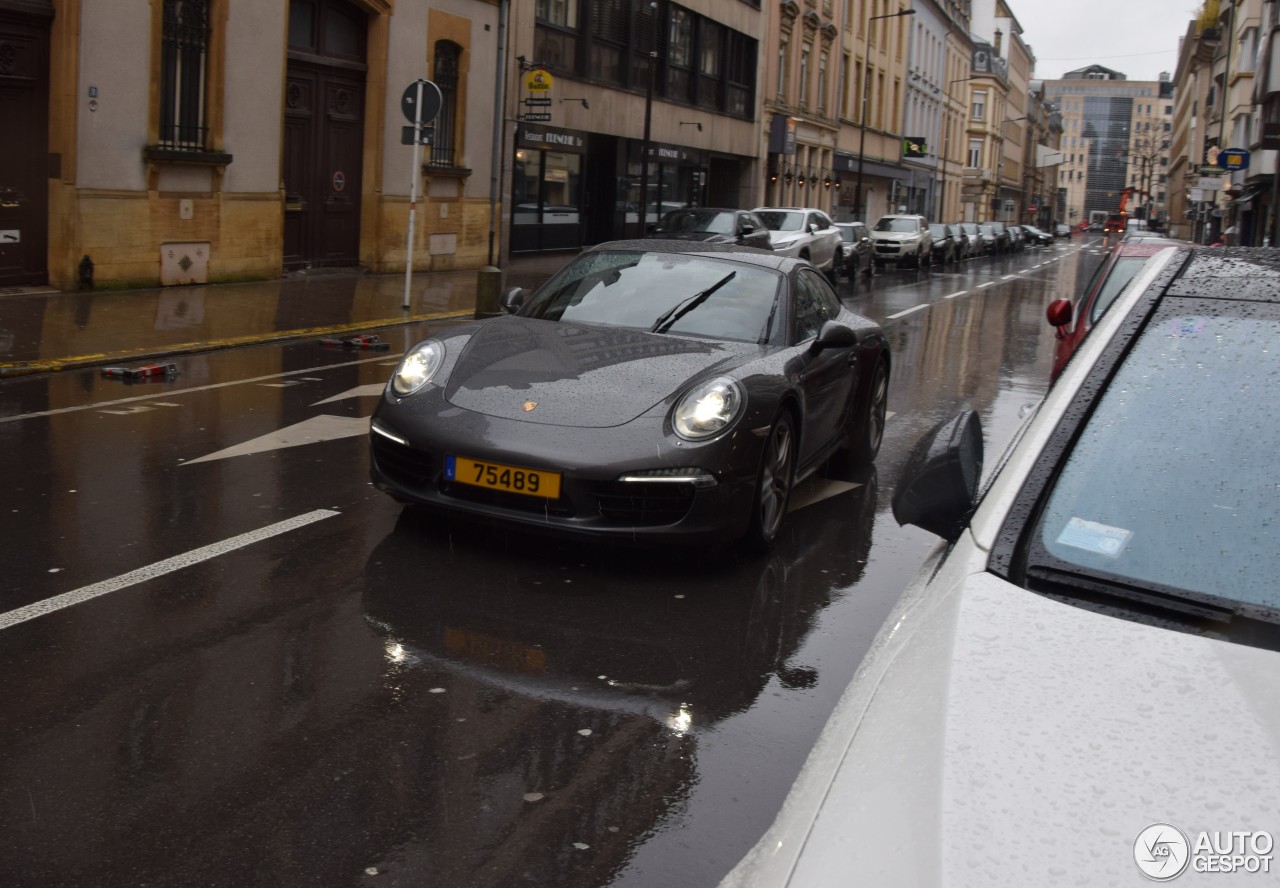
(848, 163)
(1253, 192)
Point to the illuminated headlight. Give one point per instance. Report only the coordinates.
(417, 367)
(708, 409)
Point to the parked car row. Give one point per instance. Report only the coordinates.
(848, 248)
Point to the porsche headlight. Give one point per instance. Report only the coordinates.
(417, 367)
(708, 409)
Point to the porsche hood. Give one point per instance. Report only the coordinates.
(575, 374)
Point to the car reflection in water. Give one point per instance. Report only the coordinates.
(566, 663)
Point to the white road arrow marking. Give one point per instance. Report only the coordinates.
(363, 391)
(311, 431)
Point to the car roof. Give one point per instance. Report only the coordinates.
(793, 209)
(752, 255)
(1240, 274)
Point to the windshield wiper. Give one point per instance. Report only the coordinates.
(682, 308)
(768, 324)
(1147, 595)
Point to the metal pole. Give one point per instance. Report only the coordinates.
(862, 121)
(498, 164)
(413, 191)
(866, 91)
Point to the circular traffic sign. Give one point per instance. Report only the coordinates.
(431, 102)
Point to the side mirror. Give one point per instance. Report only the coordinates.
(833, 335)
(513, 300)
(1058, 313)
(813, 228)
(939, 487)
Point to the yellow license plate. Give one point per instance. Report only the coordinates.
(496, 476)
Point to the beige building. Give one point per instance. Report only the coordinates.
(867, 161)
(1113, 141)
(233, 139)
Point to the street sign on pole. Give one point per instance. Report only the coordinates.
(428, 104)
(426, 135)
(1209, 183)
(1233, 159)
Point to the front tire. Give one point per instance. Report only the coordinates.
(773, 484)
(867, 435)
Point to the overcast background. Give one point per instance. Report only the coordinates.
(1138, 38)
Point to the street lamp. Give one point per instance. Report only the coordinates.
(866, 91)
(946, 145)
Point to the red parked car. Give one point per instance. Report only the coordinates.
(1111, 277)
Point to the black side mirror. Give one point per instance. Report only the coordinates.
(512, 301)
(939, 487)
(833, 335)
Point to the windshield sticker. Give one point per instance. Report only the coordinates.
(1189, 326)
(1094, 537)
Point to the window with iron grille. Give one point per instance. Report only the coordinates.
(183, 58)
(445, 76)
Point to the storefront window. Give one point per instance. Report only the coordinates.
(546, 191)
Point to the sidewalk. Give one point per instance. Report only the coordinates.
(43, 330)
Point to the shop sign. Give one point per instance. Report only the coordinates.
(550, 138)
(538, 80)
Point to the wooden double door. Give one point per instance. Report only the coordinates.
(25, 165)
(323, 156)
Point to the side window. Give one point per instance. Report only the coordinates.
(815, 303)
(183, 68)
(819, 220)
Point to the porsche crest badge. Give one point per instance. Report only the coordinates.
(527, 406)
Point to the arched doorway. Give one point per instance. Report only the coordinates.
(323, 133)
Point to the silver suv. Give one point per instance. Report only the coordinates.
(902, 239)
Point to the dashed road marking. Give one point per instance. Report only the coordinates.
(159, 569)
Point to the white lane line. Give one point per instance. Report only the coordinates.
(906, 312)
(987, 284)
(1009, 277)
(160, 568)
(173, 393)
(955, 294)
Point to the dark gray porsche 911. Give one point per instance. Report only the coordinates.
(651, 389)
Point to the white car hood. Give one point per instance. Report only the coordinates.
(996, 737)
(895, 235)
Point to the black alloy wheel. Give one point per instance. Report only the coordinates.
(867, 433)
(773, 484)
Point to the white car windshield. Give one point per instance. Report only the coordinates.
(707, 221)
(782, 220)
(1191, 508)
(910, 225)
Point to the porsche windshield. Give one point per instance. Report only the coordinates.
(1172, 482)
(633, 289)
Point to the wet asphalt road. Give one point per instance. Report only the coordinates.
(231, 661)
